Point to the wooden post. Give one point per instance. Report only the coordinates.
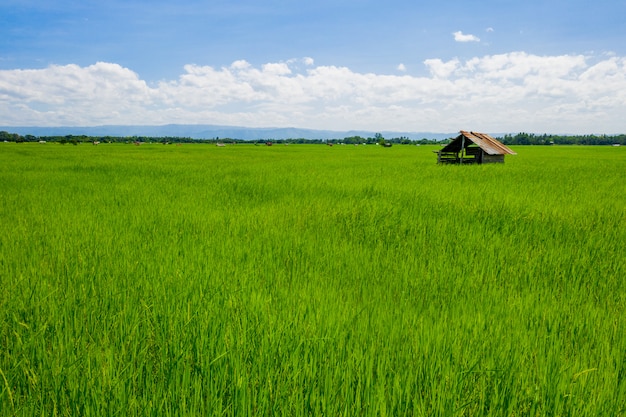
(462, 147)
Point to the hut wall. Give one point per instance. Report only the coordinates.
(447, 157)
(473, 155)
(491, 159)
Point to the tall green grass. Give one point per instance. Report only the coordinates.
(310, 280)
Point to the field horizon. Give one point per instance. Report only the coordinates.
(206, 131)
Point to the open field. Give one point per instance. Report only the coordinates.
(311, 280)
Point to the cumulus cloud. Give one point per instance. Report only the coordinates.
(440, 69)
(461, 37)
(401, 67)
(498, 93)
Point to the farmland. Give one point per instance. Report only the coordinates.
(311, 280)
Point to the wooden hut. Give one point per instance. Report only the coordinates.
(473, 148)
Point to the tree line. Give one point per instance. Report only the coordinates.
(508, 139)
(545, 139)
(76, 139)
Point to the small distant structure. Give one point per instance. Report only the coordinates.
(473, 148)
(220, 144)
(268, 143)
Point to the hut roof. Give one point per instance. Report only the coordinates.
(488, 144)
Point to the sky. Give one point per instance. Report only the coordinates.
(495, 66)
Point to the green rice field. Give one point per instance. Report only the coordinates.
(309, 280)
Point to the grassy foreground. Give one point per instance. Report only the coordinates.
(310, 280)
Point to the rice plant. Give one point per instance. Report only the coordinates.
(310, 280)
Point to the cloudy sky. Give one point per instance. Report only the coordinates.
(542, 66)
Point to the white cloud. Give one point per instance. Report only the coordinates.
(440, 69)
(497, 93)
(240, 65)
(276, 69)
(461, 37)
(401, 67)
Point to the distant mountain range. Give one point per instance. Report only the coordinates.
(212, 132)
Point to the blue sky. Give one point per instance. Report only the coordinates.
(496, 66)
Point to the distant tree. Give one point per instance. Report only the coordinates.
(10, 137)
(353, 140)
